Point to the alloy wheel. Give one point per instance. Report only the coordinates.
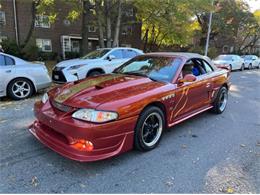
(21, 89)
(152, 129)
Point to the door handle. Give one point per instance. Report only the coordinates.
(8, 71)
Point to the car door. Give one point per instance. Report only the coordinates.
(7, 70)
(116, 61)
(193, 96)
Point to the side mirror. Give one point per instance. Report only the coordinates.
(187, 78)
(111, 57)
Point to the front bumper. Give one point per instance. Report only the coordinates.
(63, 76)
(54, 129)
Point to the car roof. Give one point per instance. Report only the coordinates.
(181, 54)
(110, 48)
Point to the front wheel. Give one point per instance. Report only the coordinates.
(250, 66)
(220, 103)
(149, 129)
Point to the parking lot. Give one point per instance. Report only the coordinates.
(209, 153)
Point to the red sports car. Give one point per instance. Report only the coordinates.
(106, 115)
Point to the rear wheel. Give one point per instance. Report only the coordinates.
(242, 67)
(20, 88)
(149, 129)
(220, 103)
(250, 66)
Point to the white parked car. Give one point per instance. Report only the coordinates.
(97, 62)
(19, 79)
(251, 61)
(234, 62)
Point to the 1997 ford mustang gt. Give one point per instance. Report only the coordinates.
(105, 115)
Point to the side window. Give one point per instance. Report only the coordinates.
(9, 61)
(207, 67)
(2, 60)
(129, 53)
(117, 53)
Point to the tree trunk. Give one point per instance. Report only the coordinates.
(118, 22)
(108, 22)
(31, 30)
(84, 42)
(145, 39)
(100, 24)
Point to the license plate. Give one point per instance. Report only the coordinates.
(56, 76)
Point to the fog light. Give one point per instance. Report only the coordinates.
(83, 145)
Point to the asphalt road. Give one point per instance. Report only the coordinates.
(208, 153)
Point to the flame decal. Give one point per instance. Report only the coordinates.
(184, 95)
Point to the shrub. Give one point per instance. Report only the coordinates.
(10, 47)
(72, 55)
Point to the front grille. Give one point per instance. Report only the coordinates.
(57, 75)
(61, 107)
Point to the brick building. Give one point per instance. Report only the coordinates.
(62, 35)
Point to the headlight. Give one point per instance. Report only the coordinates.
(45, 98)
(94, 115)
(76, 67)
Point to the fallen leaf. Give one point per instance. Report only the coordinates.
(242, 145)
(82, 185)
(183, 146)
(230, 190)
(2, 121)
(169, 183)
(34, 181)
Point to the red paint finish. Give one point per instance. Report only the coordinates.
(124, 94)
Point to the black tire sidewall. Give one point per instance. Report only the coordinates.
(12, 95)
(93, 73)
(138, 141)
(216, 107)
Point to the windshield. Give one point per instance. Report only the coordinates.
(247, 57)
(156, 68)
(96, 54)
(224, 57)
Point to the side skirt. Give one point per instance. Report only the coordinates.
(189, 116)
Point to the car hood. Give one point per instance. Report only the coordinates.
(77, 61)
(92, 92)
(221, 62)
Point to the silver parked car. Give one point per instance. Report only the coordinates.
(251, 61)
(19, 79)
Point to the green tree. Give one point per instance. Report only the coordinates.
(168, 23)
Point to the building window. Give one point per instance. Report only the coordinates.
(2, 18)
(127, 30)
(42, 21)
(92, 29)
(44, 45)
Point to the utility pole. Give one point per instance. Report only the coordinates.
(209, 30)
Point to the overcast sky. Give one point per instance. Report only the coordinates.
(254, 4)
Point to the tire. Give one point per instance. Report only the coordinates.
(250, 67)
(242, 67)
(94, 73)
(20, 88)
(220, 103)
(149, 129)
(230, 66)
